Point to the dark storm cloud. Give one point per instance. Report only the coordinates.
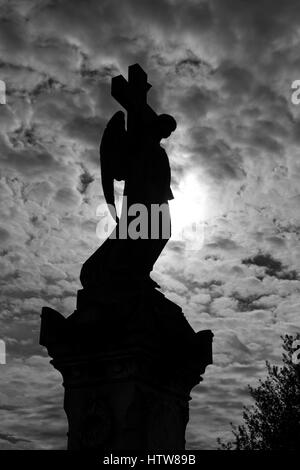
(4, 234)
(190, 65)
(257, 24)
(258, 138)
(87, 130)
(219, 159)
(12, 439)
(175, 16)
(195, 18)
(196, 102)
(12, 32)
(171, 15)
(28, 161)
(85, 180)
(234, 79)
(272, 266)
(248, 303)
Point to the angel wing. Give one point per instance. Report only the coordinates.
(113, 153)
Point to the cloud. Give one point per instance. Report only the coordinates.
(273, 267)
(224, 69)
(4, 235)
(12, 439)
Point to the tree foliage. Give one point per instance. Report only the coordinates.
(273, 422)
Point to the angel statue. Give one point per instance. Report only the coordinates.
(134, 155)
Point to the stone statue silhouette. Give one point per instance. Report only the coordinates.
(127, 354)
(135, 156)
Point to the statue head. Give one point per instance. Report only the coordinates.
(166, 124)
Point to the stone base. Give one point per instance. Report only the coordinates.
(119, 409)
(128, 369)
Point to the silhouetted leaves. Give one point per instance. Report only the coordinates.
(273, 422)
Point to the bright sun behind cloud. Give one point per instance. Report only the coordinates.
(188, 211)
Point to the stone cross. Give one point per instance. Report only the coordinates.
(132, 95)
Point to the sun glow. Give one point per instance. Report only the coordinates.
(188, 212)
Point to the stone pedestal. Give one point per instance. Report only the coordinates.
(128, 368)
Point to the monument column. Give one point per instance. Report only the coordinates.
(127, 385)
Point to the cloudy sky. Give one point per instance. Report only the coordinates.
(224, 69)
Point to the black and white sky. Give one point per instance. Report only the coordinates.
(224, 69)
